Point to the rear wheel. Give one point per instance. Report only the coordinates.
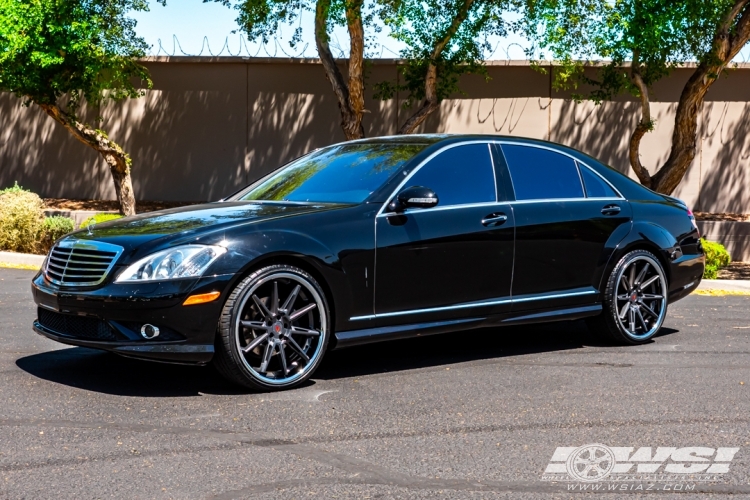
(635, 300)
(274, 329)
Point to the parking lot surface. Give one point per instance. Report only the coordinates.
(475, 414)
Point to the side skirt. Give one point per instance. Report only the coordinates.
(369, 335)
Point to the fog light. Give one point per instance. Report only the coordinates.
(201, 298)
(149, 332)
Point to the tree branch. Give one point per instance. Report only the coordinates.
(117, 160)
(431, 101)
(684, 138)
(644, 125)
(350, 123)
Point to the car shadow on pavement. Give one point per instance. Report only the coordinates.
(460, 347)
(97, 371)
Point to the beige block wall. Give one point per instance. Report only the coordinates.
(211, 125)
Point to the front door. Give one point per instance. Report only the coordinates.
(440, 262)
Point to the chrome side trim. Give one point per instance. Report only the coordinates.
(494, 170)
(433, 309)
(483, 303)
(501, 142)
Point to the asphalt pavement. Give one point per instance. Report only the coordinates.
(475, 414)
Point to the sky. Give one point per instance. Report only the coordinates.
(191, 27)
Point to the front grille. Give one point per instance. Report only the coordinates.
(75, 262)
(81, 327)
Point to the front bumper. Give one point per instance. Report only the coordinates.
(110, 317)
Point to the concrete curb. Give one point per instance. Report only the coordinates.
(731, 285)
(27, 259)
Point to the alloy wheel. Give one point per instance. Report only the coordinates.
(641, 297)
(281, 328)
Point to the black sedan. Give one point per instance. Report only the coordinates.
(374, 240)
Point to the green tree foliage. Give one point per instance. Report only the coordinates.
(640, 42)
(444, 39)
(55, 53)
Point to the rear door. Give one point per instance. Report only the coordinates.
(440, 262)
(564, 216)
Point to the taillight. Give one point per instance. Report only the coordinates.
(692, 219)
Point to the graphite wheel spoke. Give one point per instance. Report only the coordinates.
(298, 330)
(624, 296)
(275, 298)
(296, 348)
(297, 314)
(631, 278)
(289, 302)
(649, 310)
(641, 320)
(283, 359)
(624, 310)
(631, 319)
(651, 296)
(267, 357)
(255, 343)
(262, 307)
(255, 325)
(641, 275)
(624, 283)
(649, 281)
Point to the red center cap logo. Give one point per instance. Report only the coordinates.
(634, 297)
(277, 328)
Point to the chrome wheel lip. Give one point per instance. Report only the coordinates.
(663, 301)
(321, 341)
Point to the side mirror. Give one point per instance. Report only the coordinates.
(414, 197)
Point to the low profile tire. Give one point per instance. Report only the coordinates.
(635, 300)
(274, 329)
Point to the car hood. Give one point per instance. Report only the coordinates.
(186, 224)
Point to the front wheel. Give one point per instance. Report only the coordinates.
(635, 300)
(274, 329)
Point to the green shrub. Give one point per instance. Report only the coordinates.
(21, 219)
(99, 218)
(54, 228)
(716, 258)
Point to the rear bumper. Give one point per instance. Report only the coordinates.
(686, 274)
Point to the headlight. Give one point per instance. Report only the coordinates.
(187, 261)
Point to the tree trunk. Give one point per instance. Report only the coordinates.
(431, 99)
(116, 158)
(732, 34)
(644, 126)
(350, 95)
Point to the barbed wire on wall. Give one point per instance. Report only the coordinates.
(275, 48)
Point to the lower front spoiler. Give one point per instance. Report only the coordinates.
(166, 352)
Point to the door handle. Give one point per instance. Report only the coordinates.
(495, 219)
(611, 210)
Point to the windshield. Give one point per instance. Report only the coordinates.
(347, 173)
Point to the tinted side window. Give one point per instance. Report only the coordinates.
(595, 185)
(459, 175)
(541, 173)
